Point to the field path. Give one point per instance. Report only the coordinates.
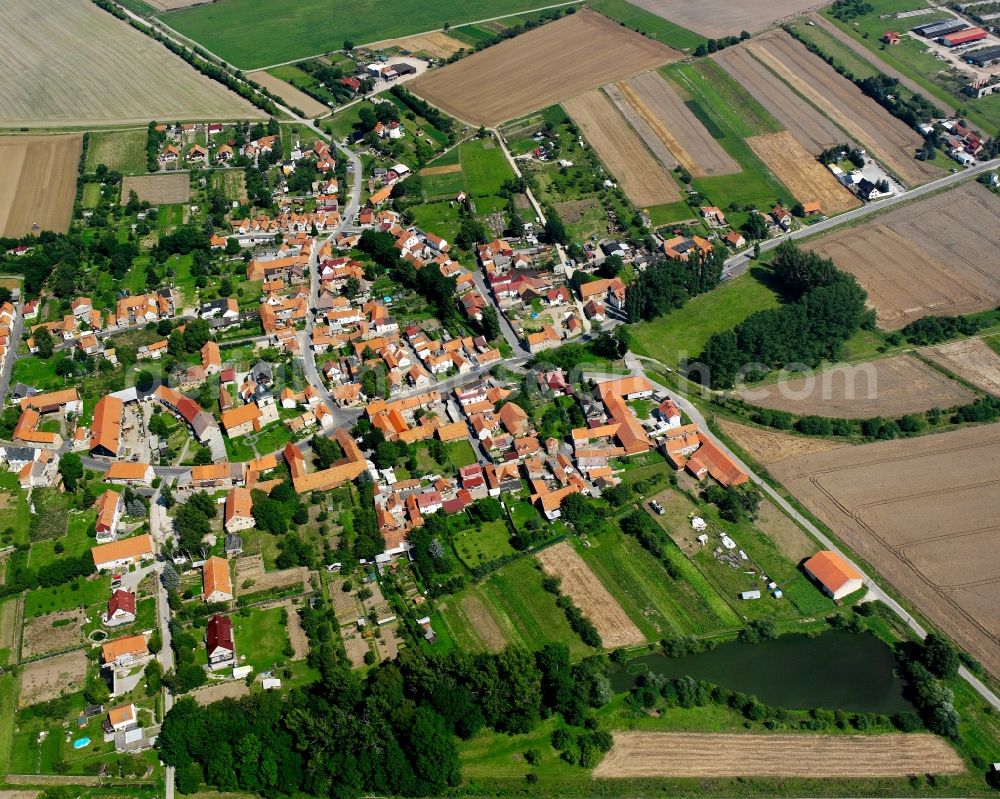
(589, 594)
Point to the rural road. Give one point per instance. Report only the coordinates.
(874, 590)
(738, 264)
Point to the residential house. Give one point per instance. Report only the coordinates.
(217, 586)
(219, 642)
(109, 511)
(125, 652)
(120, 610)
(121, 554)
(239, 510)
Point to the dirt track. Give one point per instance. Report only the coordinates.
(644, 181)
(809, 127)
(286, 91)
(972, 360)
(718, 18)
(937, 256)
(886, 387)
(923, 512)
(38, 182)
(589, 594)
(678, 754)
(887, 138)
(681, 131)
(805, 177)
(539, 68)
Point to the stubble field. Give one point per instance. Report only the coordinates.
(717, 18)
(972, 360)
(887, 387)
(79, 65)
(166, 189)
(540, 68)
(678, 754)
(288, 93)
(37, 182)
(439, 45)
(589, 594)
(806, 178)
(923, 512)
(810, 128)
(644, 181)
(937, 256)
(887, 138)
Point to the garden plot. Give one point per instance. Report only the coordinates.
(46, 679)
(53, 632)
(158, 189)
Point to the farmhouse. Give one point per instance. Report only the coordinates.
(681, 248)
(835, 576)
(217, 586)
(127, 474)
(68, 399)
(120, 554)
(239, 510)
(109, 511)
(219, 642)
(106, 429)
(120, 610)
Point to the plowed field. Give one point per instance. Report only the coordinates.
(37, 182)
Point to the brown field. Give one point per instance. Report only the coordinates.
(10, 612)
(770, 446)
(483, 623)
(165, 189)
(937, 256)
(644, 181)
(717, 18)
(810, 128)
(681, 131)
(217, 691)
(885, 137)
(693, 754)
(252, 568)
(886, 387)
(41, 636)
(46, 679)
(539, 68)
(805, 177)
(582, 586)
(573, 210)
(972, 360)
(296, 635)
(923, 511)
(439, 45)
(647, 133)
(786, 534)
(172, 5)
(446, 169)
(311, 106)
(83, 66)
(38, 180)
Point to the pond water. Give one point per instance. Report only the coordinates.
(835, 670)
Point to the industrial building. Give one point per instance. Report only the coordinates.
(986, 57)
(939, 27)
(963, 37)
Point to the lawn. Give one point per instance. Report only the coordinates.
(460, 453)
(485, 167)
(79, 593)
(682, 333)
(51, 514)
(248, 447)
(37, 373)
(442, 219)
(478, 546)
(260, 639)
(75, 543)
(120, 150)
(650, 24)
(8, 694)
(14, 510)
(447, 185)
(231, 28)
(91, 195)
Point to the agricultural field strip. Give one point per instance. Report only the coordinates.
(717, 18)
(972, 359)
(38, 175)
(310, 106)
(653, 140)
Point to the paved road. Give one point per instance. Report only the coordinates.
(738, 264)
(508, 332)
(14, 340)
(874, 590)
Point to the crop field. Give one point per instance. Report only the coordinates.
(439, 45)
(806, 178)
(644, 181)
(539, 68)
(51, 633)
(472, 623)
(46, 679)
(717, 18)
(582, 586)
(647, 131)
(771, 446)
(888, 387)
(923, 512)
(38, 180)
(973, 360)
(287, 92)
(252, 568)
(167, 189)
(684, 754)
(936, 256)
(887, 138)
(83, 66)
(172, 5)
(123, 150)
(810, 128)
(682, 132)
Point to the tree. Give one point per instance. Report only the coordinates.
(202, 456)
(169, 578)
(71, 469)
(268, 514)
(470, 232)
(755, 228)
(939, 656)
(489, 324)
(555, 230)
(44, 343)
(159, 426)
(96, 691)
(191, 526)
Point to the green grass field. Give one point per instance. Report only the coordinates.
(78, 593)
(475, 547)
(75, 542)
(14, 511)
(683, 333)
(440, 218)
(260, 638)
(460, 453)
(121, 150)
(650, 24)
(91, 195)
(484, 166)
(231, 28)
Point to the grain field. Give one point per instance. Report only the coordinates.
(287, 92)
(972, 360)
(37, 182)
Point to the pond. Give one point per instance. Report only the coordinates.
(835, 670)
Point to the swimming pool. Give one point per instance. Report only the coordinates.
(79, 743)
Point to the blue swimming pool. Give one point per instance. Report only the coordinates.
(79, 743)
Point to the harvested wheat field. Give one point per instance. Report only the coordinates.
(692, 754)
(888, 139)
(444, 169)
(644, 181)
(806, 178)
(581, 585)
(37, 182)
(53, 632)
(573, 211)
(440, 45)
(810, 128)
(46, 679)
(84, 66)
(646, 132)
(539, 68)
(886, 387)
(923, 511)
(937, 256)
(972, 360)
(215, 692)
(292, 96)
(662, 109)
(166, 189)
(768, 446)
(719, 18)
